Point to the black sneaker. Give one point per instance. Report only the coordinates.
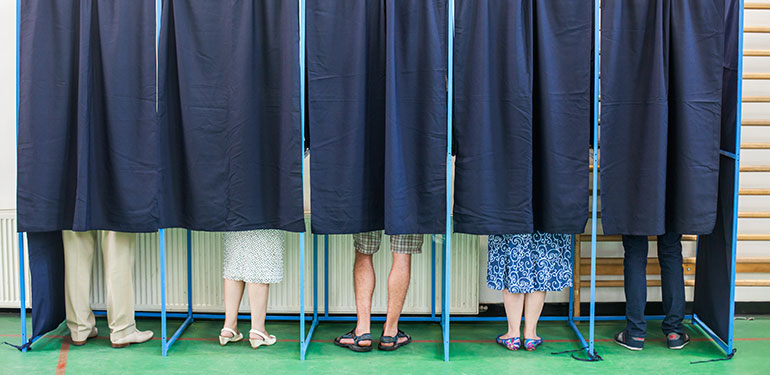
(628, 342)
(677, 341)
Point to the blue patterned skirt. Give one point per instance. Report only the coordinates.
(525, 263)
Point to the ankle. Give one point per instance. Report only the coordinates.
(530, 335)
(225, 331)
(511, 334)
(390, 330)
(360, 330)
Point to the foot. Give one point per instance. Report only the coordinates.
(677, 341)
(258, 338)
(136, 337)
(510, 335)
(94, 332)
(390, 343)
(228, 335)
(629, 342)
(510, 343)
(531, 344)
(355, 341)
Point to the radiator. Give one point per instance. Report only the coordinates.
(9, 262)
(284, 297)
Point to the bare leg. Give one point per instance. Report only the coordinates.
(233, 295)
(364, 279)
(258, 302)
(533, 307)
(514, 307)
(398, 285)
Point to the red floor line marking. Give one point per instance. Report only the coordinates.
(61, 367)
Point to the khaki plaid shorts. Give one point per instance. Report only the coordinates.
(369, 243)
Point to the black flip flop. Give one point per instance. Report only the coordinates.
(393, 340)
(356, 340)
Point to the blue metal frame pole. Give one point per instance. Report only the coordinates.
(326, 275)
(162, 234)
(738, 120)
(189, 276)
(303, 341)
(595, 175)
(22, 294)
(22, 281)
(571, 289)
(448, 240)
(163, 317)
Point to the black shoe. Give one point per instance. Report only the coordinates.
(677, 341)
(628, 342)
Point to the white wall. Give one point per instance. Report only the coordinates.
(7, 105)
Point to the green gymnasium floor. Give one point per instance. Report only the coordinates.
(473, 352)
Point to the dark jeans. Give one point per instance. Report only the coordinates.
(672, 283)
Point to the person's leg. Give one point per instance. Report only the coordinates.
(365, 280)
(118, 251)
(398, 285)
(635, 284)
(258, 301)
(233, 296)
(402, 247)
(514, 307)
(79, 248)
(533, 307)
(672, 282)
(366, 244)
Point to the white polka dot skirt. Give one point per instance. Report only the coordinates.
(254, 256)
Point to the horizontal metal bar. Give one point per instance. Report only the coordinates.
(379, 319)
(503, 319)
(208, 316)
(619, 318)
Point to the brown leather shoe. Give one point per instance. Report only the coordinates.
(94, 333)
(136, 337)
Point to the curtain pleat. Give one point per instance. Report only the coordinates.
(377, 112)
(661, 113)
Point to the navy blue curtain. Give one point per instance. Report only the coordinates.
(87, 155)
(46, 263)
(229, 110)
(661, 113)
(88, 146)
(377, 113)
(713, 266)
(523, 78)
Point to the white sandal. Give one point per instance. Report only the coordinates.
(224, 340)
(263, 339)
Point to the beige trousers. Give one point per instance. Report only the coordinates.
(118, 251)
